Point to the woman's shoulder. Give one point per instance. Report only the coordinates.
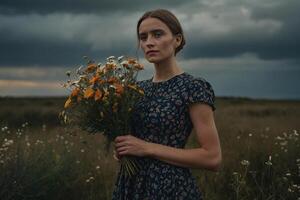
(196, 81)
(200, 90)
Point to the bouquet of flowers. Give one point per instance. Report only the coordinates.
(102, 98)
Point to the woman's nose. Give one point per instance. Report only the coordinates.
(149, 41)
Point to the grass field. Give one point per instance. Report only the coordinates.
(40, 159)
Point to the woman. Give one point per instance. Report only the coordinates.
(175, 102)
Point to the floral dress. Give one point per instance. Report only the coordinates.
(162, 116)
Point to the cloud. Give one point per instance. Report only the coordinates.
(49, 34)
(81, 6)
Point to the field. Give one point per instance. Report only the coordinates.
(41, 159)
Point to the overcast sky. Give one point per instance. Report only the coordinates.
(244, 48)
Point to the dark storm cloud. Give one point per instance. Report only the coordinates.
(269, 29)
(42, 53)
(46, 33)
(80, 6)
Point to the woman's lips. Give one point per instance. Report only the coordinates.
(151, 52)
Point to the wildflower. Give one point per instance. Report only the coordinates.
(269, 163)
(245, 162)
(131, 61)
(250, 134)
(120, 58)
(98, 95)
(111, 58)
(138, 66)
(119, 88)
(125, 64)
(75, 92)
(89, 92)
(68, 73)
(94, 80)
(284, 143)
(235, 174)
(44, 127)
(91, 67)
(97, 167)
(112, 80)
(82, 150)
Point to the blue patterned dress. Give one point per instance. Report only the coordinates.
(162, 116)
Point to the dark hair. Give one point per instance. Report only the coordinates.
(169, 19)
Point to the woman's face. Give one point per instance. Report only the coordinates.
(156, 40)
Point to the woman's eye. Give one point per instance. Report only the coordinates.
(143, 38)
(157, 34)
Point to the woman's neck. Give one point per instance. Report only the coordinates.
(166, 70)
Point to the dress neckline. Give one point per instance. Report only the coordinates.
(166, 81)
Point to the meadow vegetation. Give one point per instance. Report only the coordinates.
(41, 159)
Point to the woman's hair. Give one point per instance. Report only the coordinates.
(169, 19)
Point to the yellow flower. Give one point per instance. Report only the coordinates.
(68, 103)
(89, 92)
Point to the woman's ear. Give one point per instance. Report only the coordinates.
(178, 39)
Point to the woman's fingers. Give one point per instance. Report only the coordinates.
(116, 156)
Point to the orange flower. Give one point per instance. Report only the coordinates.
(112, 80)
(110, 66)
(125, 65)
(98, 95)
(131, 61)
(94, 79)
(89, 92)
(91, 67)
(75, 92)
(138, 66)
(68, 103)
(119, 88)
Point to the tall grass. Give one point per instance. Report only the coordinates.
(260, 144)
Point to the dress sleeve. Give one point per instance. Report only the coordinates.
(201, 91)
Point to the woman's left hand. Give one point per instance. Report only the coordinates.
(130, 145)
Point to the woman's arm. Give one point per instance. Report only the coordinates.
(208, 156)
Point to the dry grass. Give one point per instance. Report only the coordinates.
(45, 161)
